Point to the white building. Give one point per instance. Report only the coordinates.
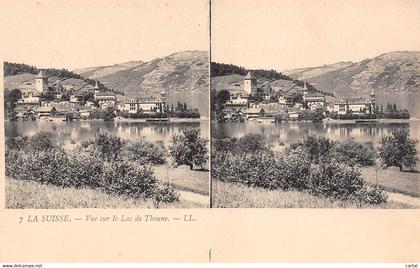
(28, 100)
(250, 84)
(41, 82)
(146, 105)
(237, 102)
(312, 100)
(356, 106)
(105, 99)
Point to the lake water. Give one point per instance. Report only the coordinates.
(75, 132)
(285, 133)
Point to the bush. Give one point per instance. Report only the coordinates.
(90, 165)
(334, 179)
(371, 195)
(307, 166)
(294, 168)
(108, 147)
(256, 170)
(16, 143)
(41, 141)
(166, 193)
(43, 166)
(398, 150)
(129, 179)
(144, 152)
(188, 149)
(353, 153)
(316, 148)
(85, 167)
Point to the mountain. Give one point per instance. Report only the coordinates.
(394, 77)
(183, 76)
(306, 73)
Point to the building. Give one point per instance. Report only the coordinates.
(146, 105)
(28, 100)
(45, 111)
(236, 103)
(75, 99)
(41, 82)
(250, 84)
(105, 99)
(282, 102)
(356, 106)
(312, 101)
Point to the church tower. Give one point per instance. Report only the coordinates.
(250, 83)
(162, 101)
(41, 82)
(96, 88)
(305, 88)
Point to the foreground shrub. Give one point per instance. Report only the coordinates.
(353, 153)
(129, 179)
(398, 150)
(257, 170)
(39, 159)
(316, 148)
(108, 147)
(85, 167)
(165, 192)
(42, 141)
(298, 169)
(144, 152)
(371, 195)
(334, 179)
(188, 148)
(50, 166)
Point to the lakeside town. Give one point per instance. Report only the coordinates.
(264, 104)
(57, 102)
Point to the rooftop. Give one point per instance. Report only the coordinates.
(250, 75)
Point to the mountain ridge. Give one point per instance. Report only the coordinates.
(182, 75)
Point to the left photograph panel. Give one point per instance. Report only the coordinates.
(106, 104)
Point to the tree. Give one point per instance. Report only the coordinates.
(398, 150)
(188, 148)
(11, 97)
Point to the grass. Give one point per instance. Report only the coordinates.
(31, 194)
(229, 195)
(393, 180)
(196, 181)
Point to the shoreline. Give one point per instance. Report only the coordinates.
(171, 120)
(333, 121)
(136, 120)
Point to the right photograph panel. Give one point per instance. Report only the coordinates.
(314, 104)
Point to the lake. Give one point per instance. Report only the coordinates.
(69, 133)
(281, 134)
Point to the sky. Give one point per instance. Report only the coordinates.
(288, 34)
(84, 33)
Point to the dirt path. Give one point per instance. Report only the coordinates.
(405, 199)
(197, 198)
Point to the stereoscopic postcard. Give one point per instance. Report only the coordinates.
(210, 131)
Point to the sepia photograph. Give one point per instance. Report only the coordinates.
(314, 104)
(106, 105)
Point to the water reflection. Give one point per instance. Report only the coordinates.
(286, 133)
(76, 132)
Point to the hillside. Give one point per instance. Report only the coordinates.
(394, 76)
(230, 77)
(183, 76)
(22, 76)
